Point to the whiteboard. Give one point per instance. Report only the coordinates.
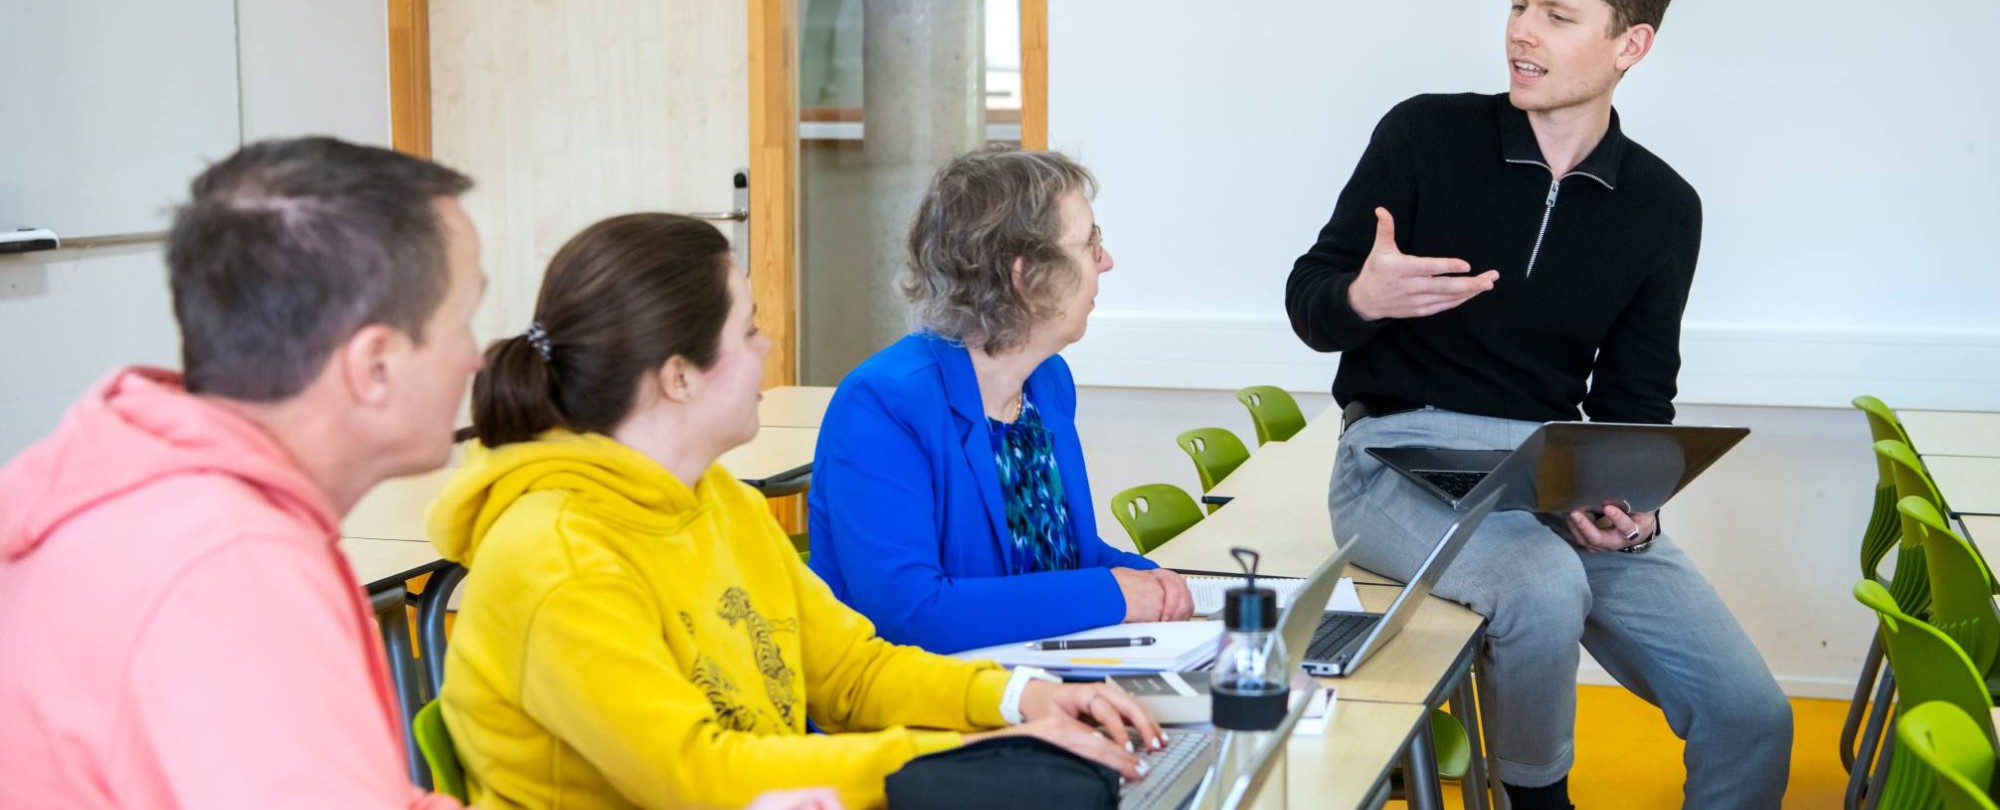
(112, 105)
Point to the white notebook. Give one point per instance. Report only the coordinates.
(1209, 593)
(1178, 646)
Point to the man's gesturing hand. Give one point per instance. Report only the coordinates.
(1394, 285)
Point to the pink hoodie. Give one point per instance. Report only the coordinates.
(178, 627)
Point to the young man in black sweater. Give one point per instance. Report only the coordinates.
(1500, 261)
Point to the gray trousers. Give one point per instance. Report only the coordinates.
(1652, 620)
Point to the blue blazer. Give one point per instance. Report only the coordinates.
(908, 523)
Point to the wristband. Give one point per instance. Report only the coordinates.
(1017, 685)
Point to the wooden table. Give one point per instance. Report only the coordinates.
(1983, 532)
(1970, 484)
(778, 455)
(1293, 536)
(1953, 433)
(1349, 765)
(1323, 429)
(794, 406)
(1289, 468)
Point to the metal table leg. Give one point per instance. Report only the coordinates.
(1463, 701)
(1420, 775)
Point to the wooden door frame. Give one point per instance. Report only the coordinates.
(1034, 74)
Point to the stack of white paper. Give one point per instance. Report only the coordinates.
(1177, 647)
(1209, 593)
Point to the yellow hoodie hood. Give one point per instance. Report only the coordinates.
(618, 482)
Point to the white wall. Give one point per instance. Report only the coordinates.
(1848, 159)
(69, 317)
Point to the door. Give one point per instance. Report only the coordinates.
(567, 113)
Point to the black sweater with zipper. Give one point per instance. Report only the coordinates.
(1594, 270)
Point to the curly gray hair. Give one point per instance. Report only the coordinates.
(983, 210)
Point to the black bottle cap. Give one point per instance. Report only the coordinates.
(1249, 608)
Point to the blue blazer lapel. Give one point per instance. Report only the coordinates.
(961, 390)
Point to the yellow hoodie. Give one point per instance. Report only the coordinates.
(628, 641)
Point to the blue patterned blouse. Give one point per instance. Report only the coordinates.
(1037, 512)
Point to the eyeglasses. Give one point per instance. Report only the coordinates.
(1095, 243)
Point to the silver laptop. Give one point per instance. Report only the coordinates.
(1566, 466)
(1333, 643)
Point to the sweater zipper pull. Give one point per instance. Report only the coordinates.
(1548, 210)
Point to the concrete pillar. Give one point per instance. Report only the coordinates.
(924, 102)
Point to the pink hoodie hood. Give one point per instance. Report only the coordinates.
(135, 428)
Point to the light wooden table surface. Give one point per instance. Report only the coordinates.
(801, 406)
(379, 563)
(1953, 433)
(1293, 535)
(1339, 769)
(776, 454)
(1970, 484)
(1322, 429)
(1288, 468)
(1983, 532)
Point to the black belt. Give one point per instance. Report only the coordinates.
(1367, 406)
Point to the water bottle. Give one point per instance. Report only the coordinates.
(1251, 681)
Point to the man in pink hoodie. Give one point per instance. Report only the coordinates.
(177, 624)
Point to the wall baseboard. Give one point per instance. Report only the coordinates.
(1721, 364)
(1796, 687)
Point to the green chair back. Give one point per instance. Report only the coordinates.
(1911, 582)
(1929, 666)
(1273, 411)
(1961, 584)
(1216, 453)
(1883, 526)
(1949, 746)
(434, 740)
(1454, 749)
(1154, 513)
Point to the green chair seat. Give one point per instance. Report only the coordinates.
(1928, 666)
(434, 741)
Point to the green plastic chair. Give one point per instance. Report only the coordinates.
(1961, 585)
(1911, 583)
(1883, 531)
(1216, 453)
(1883, 526)
(1948, 744)
(1154, 513)
(1273, 411)
(1929, 666)
(1454, 751)
(434, 740)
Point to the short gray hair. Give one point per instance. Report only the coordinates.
(984, 209)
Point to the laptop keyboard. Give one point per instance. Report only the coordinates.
(1184, 749)
(1336, 630)
(1454, 482)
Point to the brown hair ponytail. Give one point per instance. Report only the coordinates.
(619, 299)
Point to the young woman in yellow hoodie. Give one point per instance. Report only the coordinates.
(637, 630)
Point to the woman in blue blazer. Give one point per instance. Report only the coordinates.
(949, 500)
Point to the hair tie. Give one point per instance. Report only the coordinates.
(539, 338)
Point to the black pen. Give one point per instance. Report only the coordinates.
(1091, 643)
